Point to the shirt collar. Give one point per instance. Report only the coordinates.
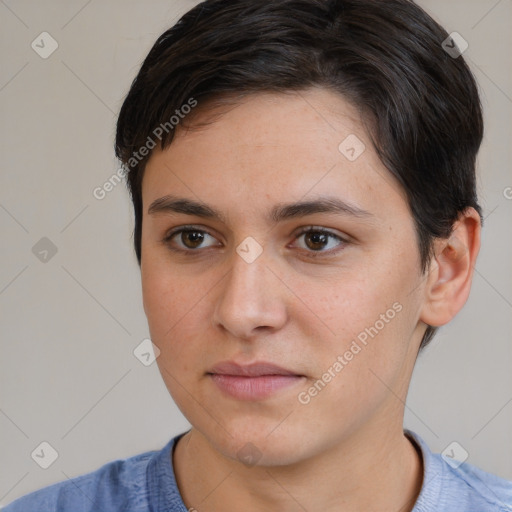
(163, 493)
(431, 488)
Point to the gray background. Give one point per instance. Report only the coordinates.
(68, 375)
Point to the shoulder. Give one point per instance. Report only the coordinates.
(471, 486)
(117, 485)
(450, 485)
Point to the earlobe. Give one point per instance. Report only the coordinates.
(451, 271)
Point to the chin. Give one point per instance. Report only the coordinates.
(257, 442)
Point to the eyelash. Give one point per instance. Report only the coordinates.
(310, 229)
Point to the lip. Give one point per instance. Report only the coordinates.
(255, 381)
(257, 369)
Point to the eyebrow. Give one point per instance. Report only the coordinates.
(282, 211)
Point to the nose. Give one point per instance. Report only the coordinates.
(252, 299)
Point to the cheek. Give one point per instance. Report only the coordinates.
(172, 306)
(355, 369)
(350, 300)
(370, 313)
(178, 310)
(176, 306)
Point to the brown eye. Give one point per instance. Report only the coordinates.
(189, 239)
(192, 239)
(316, 240)
(319, 242)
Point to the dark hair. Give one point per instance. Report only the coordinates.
(419, 103)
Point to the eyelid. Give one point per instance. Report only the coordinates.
(320, 229)
(169, 235)
(303, 230)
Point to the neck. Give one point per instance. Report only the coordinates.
(372, 469)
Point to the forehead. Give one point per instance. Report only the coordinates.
(274, 147)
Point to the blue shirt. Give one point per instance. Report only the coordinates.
(146, 482)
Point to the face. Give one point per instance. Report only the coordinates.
(281, 242)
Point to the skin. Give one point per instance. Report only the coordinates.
(345, 449)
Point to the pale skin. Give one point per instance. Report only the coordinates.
(345, 450)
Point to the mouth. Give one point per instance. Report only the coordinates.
(256, 381)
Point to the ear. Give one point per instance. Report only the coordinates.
(451, 270)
